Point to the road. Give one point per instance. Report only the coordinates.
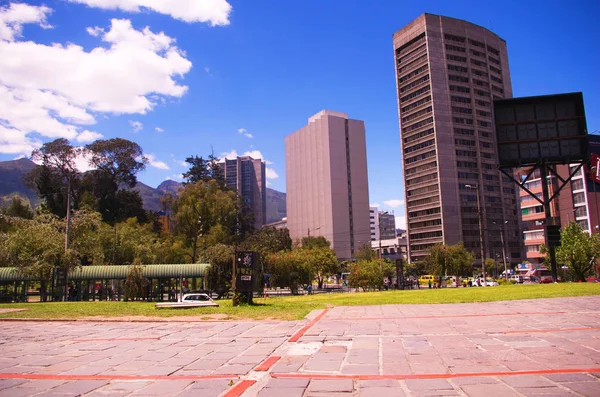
(547, 347)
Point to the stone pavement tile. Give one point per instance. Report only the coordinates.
(526, 381)
(7, 383)
(588, 389)
(287, 383)
(381, 392)
(236, 369)
(100, 393)
(428, 384)
(79, 387)
(561, 378)
(205, 364)
(210, 384)
(313, 365)
(360, 369)
(201, 393)
(163, 388)
(45, 384)
(489, 390)
(247, 359)
(289, 392)
(125, 386)
(18, 392)
(333, 349)
(322, 385)
(329, 356)
(541, 391)
(370, 358)
(378, 383)
(474, 380)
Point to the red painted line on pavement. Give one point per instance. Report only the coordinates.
(113, 377)
(267, 364)
(527, 331)
(431, 376)
(303, 330)
(239, 388)
(113, 339)
(449, 316)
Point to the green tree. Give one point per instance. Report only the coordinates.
(204, 213)
(490, 266)
(287, 269)
(116, 163)
(136, 283)
(320, 262)
(54, 178)
(445, 260)
(35, 247)
(220, 257)
(268, 240)
(315, 242)
(204, 170)
(369, 274)
(578, 250)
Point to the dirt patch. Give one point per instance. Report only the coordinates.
(4, 311)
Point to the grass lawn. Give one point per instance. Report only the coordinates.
(296, 307)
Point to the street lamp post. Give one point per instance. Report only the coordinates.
(503, 249)
(318, 228)
(479, 215)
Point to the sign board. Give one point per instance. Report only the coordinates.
(246, 270)
(549, 128)
(595, 170)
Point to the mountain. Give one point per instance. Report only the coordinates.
(276, 210)
(12, 184)
(169, 186)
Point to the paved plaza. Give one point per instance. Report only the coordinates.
(548, 347)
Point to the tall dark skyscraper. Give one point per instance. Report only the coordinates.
(246, 176)
(448, 72)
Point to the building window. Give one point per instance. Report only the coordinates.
(457, 68)
(460, 79)
(462, 120)
(456, 58)
(455, 48)
(452, 37)
(464, 131)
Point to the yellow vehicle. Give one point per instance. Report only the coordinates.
(425, 279)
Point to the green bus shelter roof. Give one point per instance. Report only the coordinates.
(118, 272)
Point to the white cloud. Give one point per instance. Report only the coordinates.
(13, 17)
(180, 162)
(82, 162)
(54, 89)
(176, 177)
(20, 157)
(374, 205)
(207, 70)
(394, 203)
(229, 155)
(214, 12)
(245, 132)
(158, 129)
(270, 173)
(136, 125)
(88, 136)
(401, 222)
(153, 162)
(255, 154)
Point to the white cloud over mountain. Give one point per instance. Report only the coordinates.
(213, 12)
(154, 162)
(54, 90)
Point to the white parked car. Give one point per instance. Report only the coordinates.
(517, 278)
(190, 300)
(488, 283)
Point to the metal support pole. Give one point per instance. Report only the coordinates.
(480, 216)
(548, 221)
(503, 251)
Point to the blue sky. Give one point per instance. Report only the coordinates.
(234, 69)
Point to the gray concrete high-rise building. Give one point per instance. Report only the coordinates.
(448, 72)
(246, 176)
(327, 183)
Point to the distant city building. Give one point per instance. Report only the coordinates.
(326, 182)
(448, 72)
(382, 223)
(246, 176)
(392, 249)
(577, 201)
